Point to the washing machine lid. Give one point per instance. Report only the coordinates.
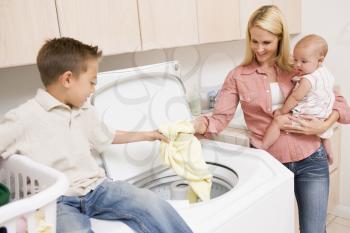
(138, 99)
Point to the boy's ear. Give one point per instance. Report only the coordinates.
(65, 79)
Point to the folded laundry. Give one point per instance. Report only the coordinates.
(183, 154)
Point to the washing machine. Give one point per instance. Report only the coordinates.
(252, 192)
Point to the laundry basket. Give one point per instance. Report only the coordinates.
(34, 189)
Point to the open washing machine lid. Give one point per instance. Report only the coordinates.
(139, 99)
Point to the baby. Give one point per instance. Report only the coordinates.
(313, 93)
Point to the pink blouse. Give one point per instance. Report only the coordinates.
(249, 86)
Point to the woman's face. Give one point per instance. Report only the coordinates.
(264, 45)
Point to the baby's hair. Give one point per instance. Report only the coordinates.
(319, 44)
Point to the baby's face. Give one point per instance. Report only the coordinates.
(306, 60)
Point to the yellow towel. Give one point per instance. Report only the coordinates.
(184, 154)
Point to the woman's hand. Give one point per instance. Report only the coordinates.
(277, 113)
(199, 125)
(307, 125)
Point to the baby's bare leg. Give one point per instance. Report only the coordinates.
(328, 147)
(273, 131)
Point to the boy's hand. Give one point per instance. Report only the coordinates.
(156, 135)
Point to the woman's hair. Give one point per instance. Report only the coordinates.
(270, 18)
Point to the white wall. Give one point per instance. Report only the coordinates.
(331, 20)
(210, 63)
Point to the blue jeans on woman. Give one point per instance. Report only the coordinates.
(311, 187)
(140, 209)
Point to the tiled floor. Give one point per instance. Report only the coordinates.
(338, 225)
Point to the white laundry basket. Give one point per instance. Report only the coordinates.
(34, 189)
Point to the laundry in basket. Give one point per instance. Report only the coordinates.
(4, 194)
(34, 189)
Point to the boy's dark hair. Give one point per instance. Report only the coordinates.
(59, 55)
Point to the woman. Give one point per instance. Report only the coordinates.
(260, 84)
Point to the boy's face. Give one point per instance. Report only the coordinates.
(306, 60)
(83, 85)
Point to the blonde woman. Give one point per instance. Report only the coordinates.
(261, 82)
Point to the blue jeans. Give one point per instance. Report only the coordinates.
(311, 186)
(140, 209)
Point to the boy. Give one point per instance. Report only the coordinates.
(313, 94)
(59, 128)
